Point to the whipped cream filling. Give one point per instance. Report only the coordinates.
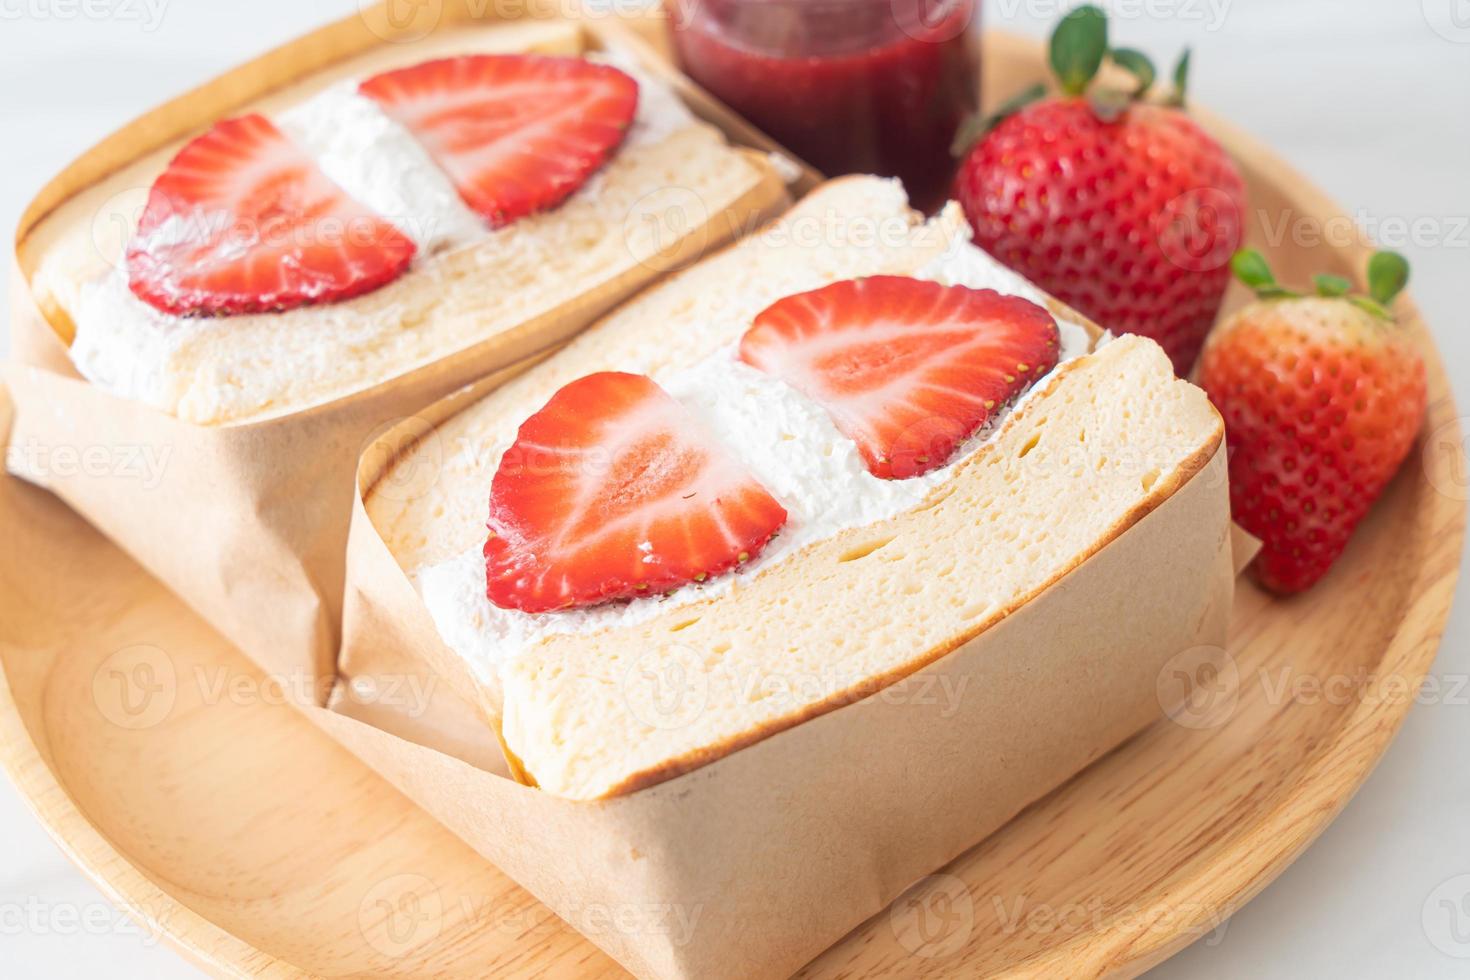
(786, 440)
(379, 164)
(123, 345)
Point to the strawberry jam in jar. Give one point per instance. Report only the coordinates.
(851, 86)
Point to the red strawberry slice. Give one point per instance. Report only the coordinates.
(613, 491)
(906, 368)
(515, 133)
(243, 221)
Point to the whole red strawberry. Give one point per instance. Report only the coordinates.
(1322, 398)
(1126, 210)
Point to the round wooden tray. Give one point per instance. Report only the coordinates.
(182, 785)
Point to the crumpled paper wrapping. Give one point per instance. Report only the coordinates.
(771, 854)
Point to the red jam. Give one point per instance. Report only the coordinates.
(851, 86)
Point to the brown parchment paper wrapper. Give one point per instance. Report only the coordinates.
(248, 522)
(778, 850)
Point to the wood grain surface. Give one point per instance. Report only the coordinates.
(171, 771)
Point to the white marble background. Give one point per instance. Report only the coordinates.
(1369, 97)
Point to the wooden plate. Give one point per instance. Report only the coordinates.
(172, 774)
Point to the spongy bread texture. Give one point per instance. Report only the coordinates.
(850, 227)
(1111, 436)
(243, 368)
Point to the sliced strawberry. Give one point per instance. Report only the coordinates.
(613, 491)
(906, 368)
(243, 221)
(516, 133)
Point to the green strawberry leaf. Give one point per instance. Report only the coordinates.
(1137, 64)
(1331, 285)
(1388, 274)
(1251, 268)
(976, 126)
(1181, 80)
(1078, 46)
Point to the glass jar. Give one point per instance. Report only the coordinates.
(851, 86)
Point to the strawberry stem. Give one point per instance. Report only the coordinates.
(1331, 286)
(1078, 46)
(1137, 64)
(1110, 103)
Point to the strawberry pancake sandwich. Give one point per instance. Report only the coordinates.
(320, 246)
(821, 463)
(248, 300)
